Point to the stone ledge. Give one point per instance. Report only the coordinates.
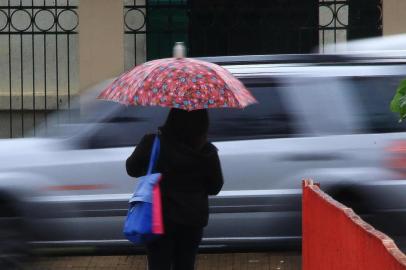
(51, 101)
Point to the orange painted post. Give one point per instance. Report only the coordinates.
(335, 238)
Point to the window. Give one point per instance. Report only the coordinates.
(266, 119)
(127, 126)
(374, 94)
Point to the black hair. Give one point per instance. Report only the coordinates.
(186, 127)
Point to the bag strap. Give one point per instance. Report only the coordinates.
(154, 154)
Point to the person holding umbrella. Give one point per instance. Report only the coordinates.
(191, 171)
(188, 162)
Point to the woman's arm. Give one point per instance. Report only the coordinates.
(137, 163)
(215, 181)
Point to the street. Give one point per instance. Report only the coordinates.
(226, 261)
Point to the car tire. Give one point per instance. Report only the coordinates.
(13, 247)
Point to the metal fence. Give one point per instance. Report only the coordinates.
(164, 24)
(217, 27)
(135, 29)
(334, 21)
(342, 20)
(38, 62)
(39, 42)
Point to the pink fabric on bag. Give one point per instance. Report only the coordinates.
(157, 221)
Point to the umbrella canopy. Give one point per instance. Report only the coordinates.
(183, 83)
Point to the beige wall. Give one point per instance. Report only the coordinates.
(101, 35)
(394, 17)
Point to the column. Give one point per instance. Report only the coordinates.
(394, 19)
(101, 37)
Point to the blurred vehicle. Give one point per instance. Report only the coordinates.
(325, 117)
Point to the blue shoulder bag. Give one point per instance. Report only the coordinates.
(138, 224)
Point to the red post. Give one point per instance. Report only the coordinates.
(335, 238)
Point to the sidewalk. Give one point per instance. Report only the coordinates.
(228, 261)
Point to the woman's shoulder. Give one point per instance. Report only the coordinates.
(210, 149)
(147, 139)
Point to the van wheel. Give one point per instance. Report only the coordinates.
(13, 248)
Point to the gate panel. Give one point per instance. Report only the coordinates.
(38, 62)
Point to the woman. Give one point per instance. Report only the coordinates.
(191, 172)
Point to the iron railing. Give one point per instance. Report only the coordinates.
(211, 28)
(38, 44)
(38, 57)
(334, 21)
(342, 20)
(135, 29)
(141, 29)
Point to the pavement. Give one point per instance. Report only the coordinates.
(224, 261)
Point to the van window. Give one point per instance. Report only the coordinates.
(374, 94)
(266, 119)
(126, 127)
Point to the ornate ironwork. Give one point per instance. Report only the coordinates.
(30, 19)
(138, 15)
(340, 20)
(135, 29)
(37, 36)
(211, 27)
(333, 17)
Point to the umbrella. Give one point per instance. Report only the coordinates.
(178, 82)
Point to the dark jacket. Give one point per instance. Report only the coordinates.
(189, 176)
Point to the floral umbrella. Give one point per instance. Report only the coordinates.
(183, 83)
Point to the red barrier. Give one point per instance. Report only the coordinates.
(335, 238)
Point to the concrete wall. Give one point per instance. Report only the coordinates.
(394, 17)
